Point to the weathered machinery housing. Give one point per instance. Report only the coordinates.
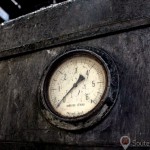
(29, 43)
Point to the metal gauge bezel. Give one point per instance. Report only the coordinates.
(55, 64)
(75, 122)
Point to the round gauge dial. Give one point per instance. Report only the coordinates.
(77, 86)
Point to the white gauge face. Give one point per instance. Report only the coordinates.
(77, 86)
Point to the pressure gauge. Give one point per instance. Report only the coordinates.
(76, 88)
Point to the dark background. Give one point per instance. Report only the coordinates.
(16, 8)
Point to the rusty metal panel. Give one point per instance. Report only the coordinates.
(28, 44)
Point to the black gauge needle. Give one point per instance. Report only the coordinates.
(81, 78)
